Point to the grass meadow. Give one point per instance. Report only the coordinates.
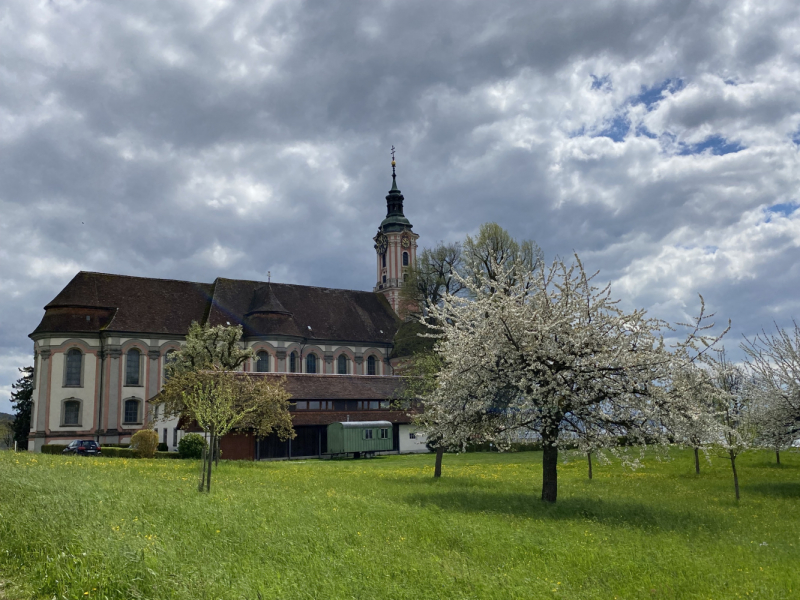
(383, 528)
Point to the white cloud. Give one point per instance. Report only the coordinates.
(193, 140)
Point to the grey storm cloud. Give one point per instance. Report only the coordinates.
(193, 139)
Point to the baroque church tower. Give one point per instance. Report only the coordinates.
(396, 246)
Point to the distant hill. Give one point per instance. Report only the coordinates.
(6, 417)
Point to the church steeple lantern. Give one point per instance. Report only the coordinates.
(395, 245)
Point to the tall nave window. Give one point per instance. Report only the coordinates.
(132, 367)
(72, 374)
(262, 362)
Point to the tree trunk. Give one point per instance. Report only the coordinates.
(778, 456)
(589, 456)
(697, 461)
(211, 455)
(549, 472)
(437, 470)
(202, 470)
(735, 475)
(216, 453)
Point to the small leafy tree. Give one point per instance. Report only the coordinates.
(208, 347)
(432, 277)
(219, 401)
(22, 404)
(494, 247)
(144, 443)
(204, 388)
(192, 445)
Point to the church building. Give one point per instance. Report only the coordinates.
(101, 349)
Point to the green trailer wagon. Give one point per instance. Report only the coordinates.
(359, 438)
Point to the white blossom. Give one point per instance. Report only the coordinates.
(547, 351)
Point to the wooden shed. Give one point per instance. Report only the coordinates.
(359, 437)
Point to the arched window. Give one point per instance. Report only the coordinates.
(383, 260)
(293, 362)
(311, 363)
(262, 362)
(72, 371)
(405, 259)
(72, 413)
(132, 367)
(169, 358)
(341, 365)
(131, 414)
(371, 365)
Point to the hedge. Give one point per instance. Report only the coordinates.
(117, 452)
(53, 448)
(167, 455)
(116, 445)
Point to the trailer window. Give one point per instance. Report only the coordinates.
(368, 434)
(384, 434)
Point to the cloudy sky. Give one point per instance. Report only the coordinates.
(198, 139)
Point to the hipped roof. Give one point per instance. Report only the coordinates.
(121, 303)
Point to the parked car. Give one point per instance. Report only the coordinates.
(83, 448)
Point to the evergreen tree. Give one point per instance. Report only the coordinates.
(22, 402)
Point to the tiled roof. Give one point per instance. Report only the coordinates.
(315, 313)
(139, 304)
(121, 303)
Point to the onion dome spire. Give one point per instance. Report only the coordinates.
(395, 219)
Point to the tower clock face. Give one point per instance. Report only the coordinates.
(381, 243)
(406, 242)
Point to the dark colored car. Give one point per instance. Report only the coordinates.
(83, 448)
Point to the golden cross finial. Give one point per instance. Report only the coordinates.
(393, 163)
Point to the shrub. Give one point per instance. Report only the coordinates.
(167, 455)
(162, 447)
(144, 443)
(116, 445)
(191, 445)
(53, 448)
(113, 452)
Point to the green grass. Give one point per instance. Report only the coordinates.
(118, 528)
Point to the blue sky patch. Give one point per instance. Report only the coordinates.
(718, 145)
(651, 96)
(602, 83)
(641, 130)
(784, 208)
(617, 129)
